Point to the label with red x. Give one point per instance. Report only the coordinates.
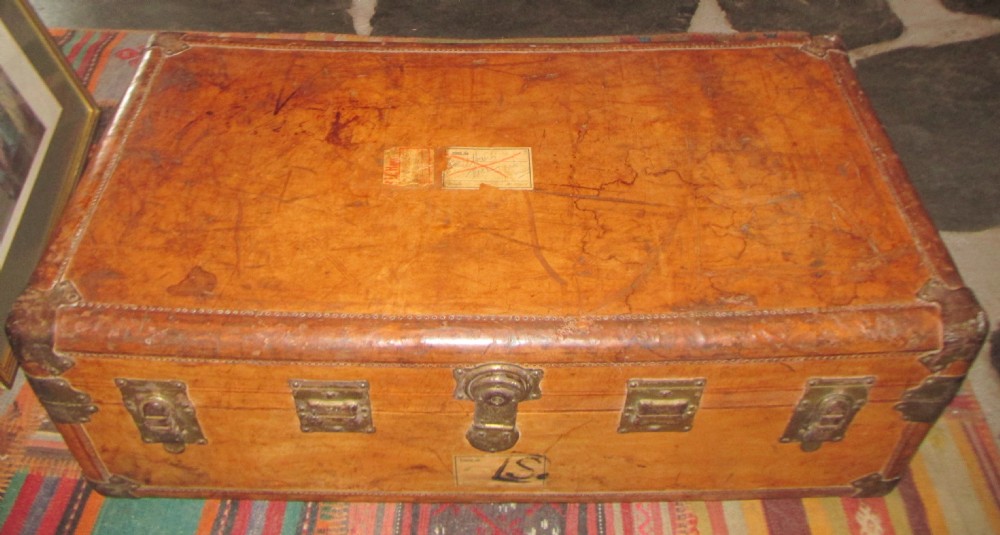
(500, 167)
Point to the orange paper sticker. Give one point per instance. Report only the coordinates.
(408, 166)
(500, 167)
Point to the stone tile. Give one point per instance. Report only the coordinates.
(976, 7)
(859, 22)
(975, 254)
(928, 24)
(528, 18)
(941, 108)
(255, 16)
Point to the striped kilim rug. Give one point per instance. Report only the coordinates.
(953, 485)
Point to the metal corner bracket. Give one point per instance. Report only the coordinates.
(926, 401)
(873, 485)
(821, 45)
(116, 487)
(965, 324)
(31, 328)
(172, 43)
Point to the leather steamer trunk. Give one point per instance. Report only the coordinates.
(464, 271)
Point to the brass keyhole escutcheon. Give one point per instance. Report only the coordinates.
(496, 389)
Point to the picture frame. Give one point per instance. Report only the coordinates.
(47, 120)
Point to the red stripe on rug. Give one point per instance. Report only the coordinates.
(674, 522)
(95, 56)
(242, 520)
(592, 519)
(717, 518)
(72, 53)
(628, 524)
(273, 518)
(867, 515)
(979, 435)
(406, 518)
(916, 513)
(572, 523)
(22, 507)
(608, 523)
(787, 517)
(424, 520)
(56, 507)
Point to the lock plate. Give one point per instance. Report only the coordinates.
(826, 409)
(496, 389)
(163, 412)
(660, 405)
(332, 406)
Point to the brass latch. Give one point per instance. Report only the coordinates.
(657, 405)
(332, 406)
(826, 409)
(496, 389)
(163, 412)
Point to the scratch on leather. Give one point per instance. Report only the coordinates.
(536, 246)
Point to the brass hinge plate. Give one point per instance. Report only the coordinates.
(163, 412)
(926, 401)
(333, 406)
(65, 404)
(826, 409)
(660, 405)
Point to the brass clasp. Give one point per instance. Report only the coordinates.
(496, 390)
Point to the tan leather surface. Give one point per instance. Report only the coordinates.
(254, 443)
(665, 180)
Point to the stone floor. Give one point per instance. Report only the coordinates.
(931, 68)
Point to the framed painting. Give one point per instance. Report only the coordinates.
(46, 123)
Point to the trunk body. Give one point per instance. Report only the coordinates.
(685, 269)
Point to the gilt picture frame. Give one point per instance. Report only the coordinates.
(47, 120)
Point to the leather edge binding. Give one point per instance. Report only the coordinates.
(479, 496)
(929, 244)
(82, 447)
(103, 158)
(192, 335)
(793, 39)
